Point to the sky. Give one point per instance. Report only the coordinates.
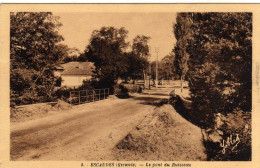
(78, 27)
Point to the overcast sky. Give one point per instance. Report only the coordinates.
(78, 27)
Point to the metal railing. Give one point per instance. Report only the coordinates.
(86, 96)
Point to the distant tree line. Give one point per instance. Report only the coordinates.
(166, 68)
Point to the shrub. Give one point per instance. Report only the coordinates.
(140, 89)
(236, 125)
(121, 91)
(63, 93)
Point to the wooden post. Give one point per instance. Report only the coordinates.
(93, 95)
(86, 96)
(104, 94)
(99, 93)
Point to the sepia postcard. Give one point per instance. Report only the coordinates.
(129, 85)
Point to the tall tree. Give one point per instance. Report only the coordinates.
(219, 46)
(223, 65)
(153, 70)
(33, 54)
(134, 65)
(141, 49)
(106, 50)
(220, 74)
(182, 34)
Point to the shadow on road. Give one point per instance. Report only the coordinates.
(159, 94)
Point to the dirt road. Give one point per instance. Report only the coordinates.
(87, 132)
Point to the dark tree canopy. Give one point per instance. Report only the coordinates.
(33, 39)
(106, 49)
(140, 46)
(141, 54)
(136, 64)
(182, 34)
(219, 46)
(34, 54)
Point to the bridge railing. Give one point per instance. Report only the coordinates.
(86, 96)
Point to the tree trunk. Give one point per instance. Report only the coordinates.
(134, 78)
(144, 79)
(181, 83)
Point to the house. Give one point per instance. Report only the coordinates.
(74, 73)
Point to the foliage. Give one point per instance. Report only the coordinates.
(220, 75)
(69, 54)
(140, 46)
(182, 34)
(34, 53)
(236, 142)
(63, 93)
(141, 54)
(135, 66)
(166, 67)
(106, 50)
(141, 50)
(121, 91)
(219, 46)
(153, 70)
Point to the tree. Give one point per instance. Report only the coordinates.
(153, 70)
(182, 33)
(134, 65)
(33, 54)
(220, 58)
(140, 48)
(167, 67)
(220, 80)
(69, 54)
(106, 50)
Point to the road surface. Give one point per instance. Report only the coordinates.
(87, 132)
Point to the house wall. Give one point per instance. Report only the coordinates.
(74, 80)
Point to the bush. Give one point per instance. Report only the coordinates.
(30, 86)
(63, 94)
(133, 88)
(236, 125)
(121, 91)
(140, 89)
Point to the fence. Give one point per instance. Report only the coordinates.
(85, 96)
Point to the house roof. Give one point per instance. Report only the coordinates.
(77, 68)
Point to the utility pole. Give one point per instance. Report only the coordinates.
(157, 51)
